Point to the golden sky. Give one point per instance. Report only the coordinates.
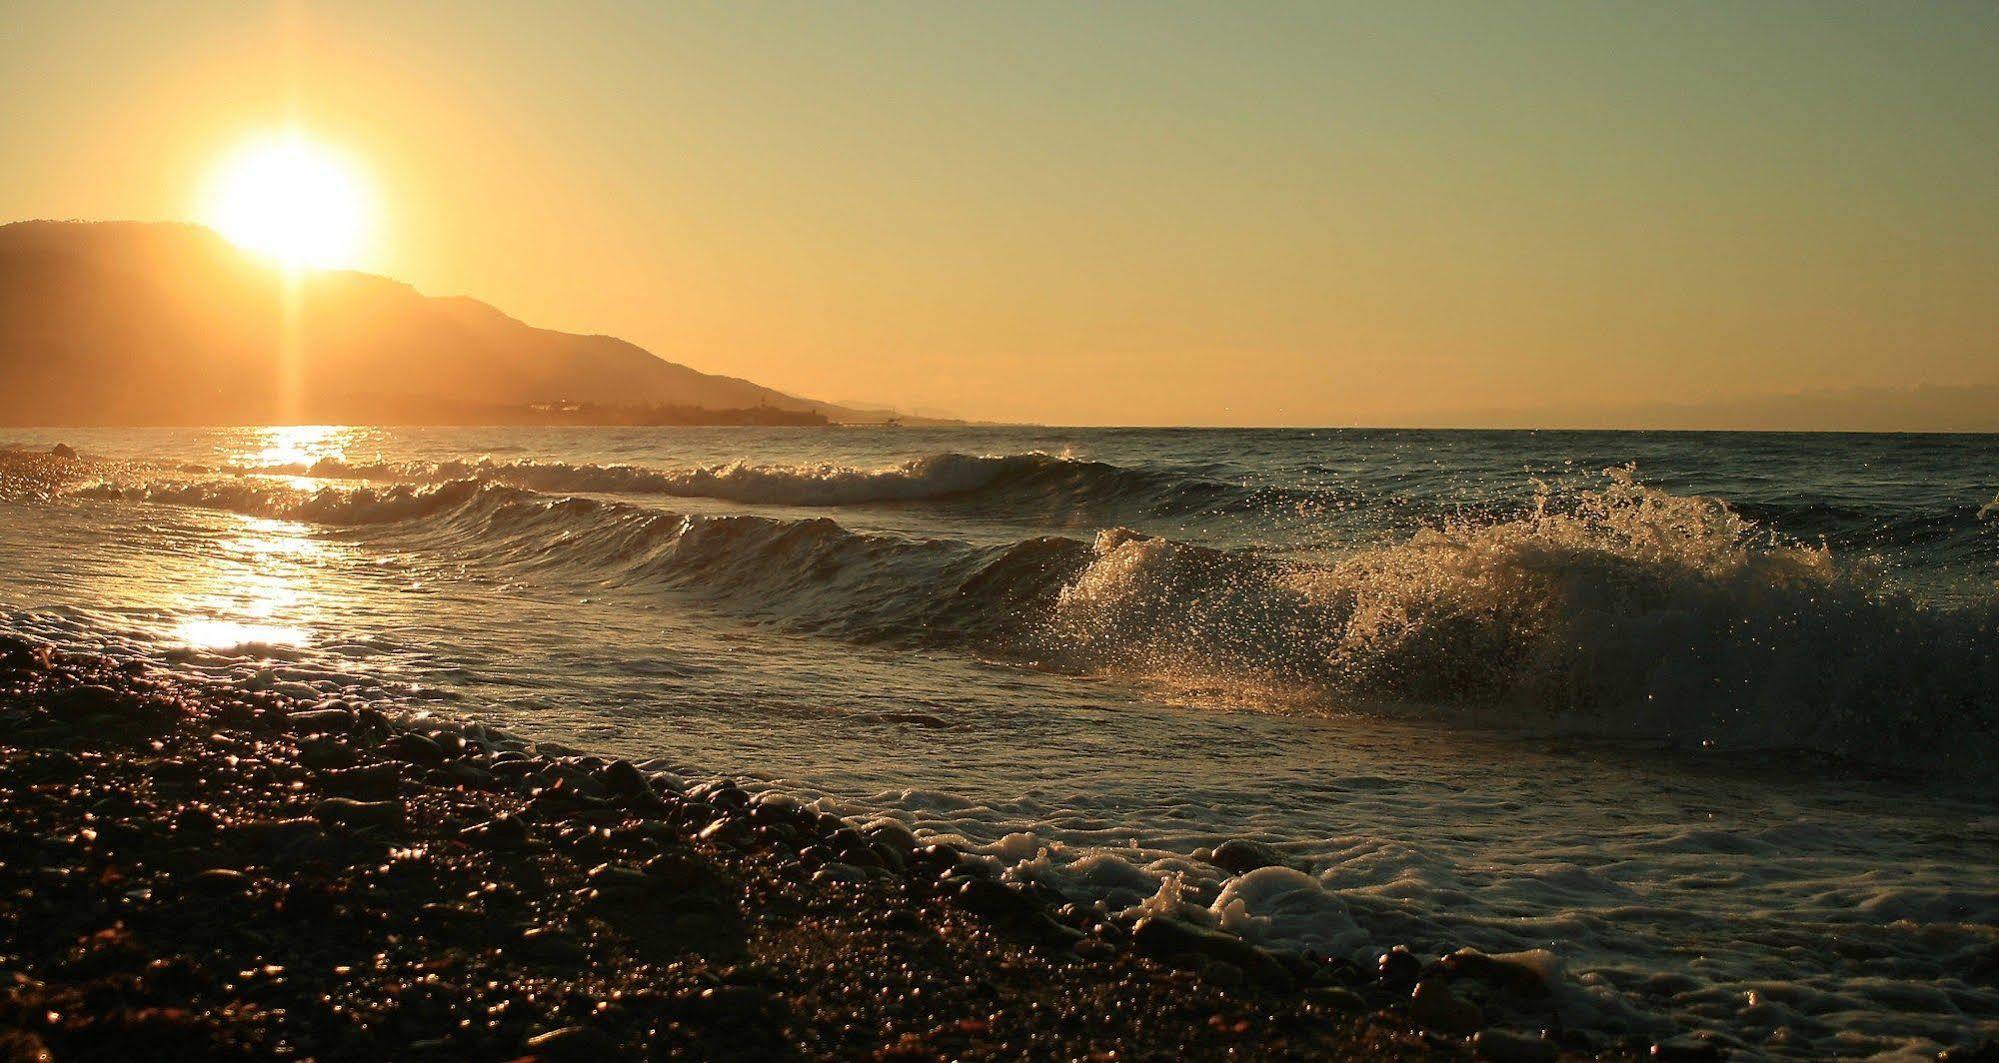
(1320, 213)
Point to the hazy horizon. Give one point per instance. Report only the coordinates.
(1320, 215)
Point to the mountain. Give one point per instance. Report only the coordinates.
(153, 323)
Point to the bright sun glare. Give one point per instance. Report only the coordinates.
(292, 199)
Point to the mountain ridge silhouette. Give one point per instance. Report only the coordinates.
(136, 323)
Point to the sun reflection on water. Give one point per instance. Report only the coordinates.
(229, 634)
(258, 590)
(300, 444)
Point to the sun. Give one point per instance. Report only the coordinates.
(292, 199)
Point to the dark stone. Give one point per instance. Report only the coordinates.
(450, 921)
(220, 880)
(373, 782)
(327, 754)
(1398, 967)
(1172, 941)
(1224, 974)
(1433, 1005)
(621, 778)
(1502, 1046)
(517, 769)
(1241, 856)
(89, 699)
(618, 880)
(934, 858)
(500, 832)
(553, 946)
(735, 1005)
(414, 748)
(677, 873)
(196, 823)
(727, 831)
(575, 1044)
(1338, 998)
(351, 813)
(469, 775)
(1686, 1049)
(308, 721)
(994, 901)
(276, 835)
(1517, 979)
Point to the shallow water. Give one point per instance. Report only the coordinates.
(1717, 729)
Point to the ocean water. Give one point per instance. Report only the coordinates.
(1711, 719)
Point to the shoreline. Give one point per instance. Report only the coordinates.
(203, 872)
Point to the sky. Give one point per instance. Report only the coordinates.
(1148, 213)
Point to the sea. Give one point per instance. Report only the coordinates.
(1705, 723)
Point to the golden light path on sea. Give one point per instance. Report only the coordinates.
(258, 587)
(299, 444)
(256, 591)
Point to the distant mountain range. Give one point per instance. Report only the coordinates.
(128, 323)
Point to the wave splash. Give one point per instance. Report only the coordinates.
(1625, 611)
(1632, 613)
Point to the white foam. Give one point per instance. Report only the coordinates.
(1630, 612)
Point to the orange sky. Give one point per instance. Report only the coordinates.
(1312, 214)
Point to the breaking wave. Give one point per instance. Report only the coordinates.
(1625, 611)
(1632, 613)
(1067, 493)
(1038, 481)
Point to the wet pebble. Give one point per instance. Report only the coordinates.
(574, 1044)
(621, 778)
(372, 782)
(620, 881)
(1398, 968)
(1686, 1049)
(1338, 998)
(1504, 1046)
(1241, 856)
(219, 881)
(552, 945)
(500, 832)
(414, 748)
(1433, 1005)
(194, 822)
(1505, 975)
(327, 754)
(349, 812)
(307, 721)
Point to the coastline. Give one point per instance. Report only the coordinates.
(206, 872)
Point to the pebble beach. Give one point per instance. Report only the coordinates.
(204, 874)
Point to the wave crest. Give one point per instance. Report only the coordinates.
(1635, 613)
(1032, 480)
(277, 500)
(1626, 611)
